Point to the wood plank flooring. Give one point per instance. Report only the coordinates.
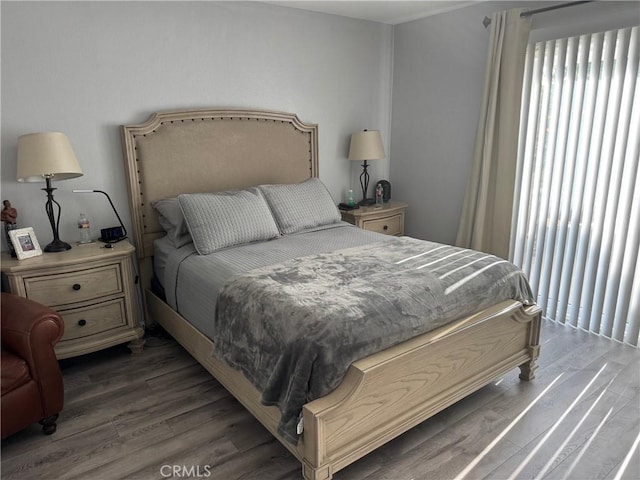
(126, 417)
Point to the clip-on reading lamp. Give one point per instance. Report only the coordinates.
(111, 234)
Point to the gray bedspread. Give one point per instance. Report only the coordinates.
(294, 328)
(192, 281)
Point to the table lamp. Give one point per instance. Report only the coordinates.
(111, 234)
(365, 146)
(42, 157)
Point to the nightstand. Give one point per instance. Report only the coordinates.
(92, 288)
(387, 219)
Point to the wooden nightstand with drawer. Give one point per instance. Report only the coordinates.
(92, 287)
(387, 219)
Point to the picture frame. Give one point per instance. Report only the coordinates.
(25, 243)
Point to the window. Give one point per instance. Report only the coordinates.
(576, 226)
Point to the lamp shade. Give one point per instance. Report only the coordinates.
(46, 155)
(366, 145)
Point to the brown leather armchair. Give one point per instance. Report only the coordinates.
(32, 388)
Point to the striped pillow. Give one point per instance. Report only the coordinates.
(301, 206)
(225, 219)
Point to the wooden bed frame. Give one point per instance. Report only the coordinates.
(382, 395)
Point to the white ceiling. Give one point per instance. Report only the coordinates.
(383, 11)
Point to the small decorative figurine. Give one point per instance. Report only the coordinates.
(9, 216)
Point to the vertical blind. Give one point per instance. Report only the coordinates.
(576, 224)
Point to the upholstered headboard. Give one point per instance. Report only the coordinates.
(211, 150)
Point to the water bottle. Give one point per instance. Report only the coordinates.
(379, 194)
(351, 198)
(84, 227)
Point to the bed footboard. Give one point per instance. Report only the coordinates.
(389, 392)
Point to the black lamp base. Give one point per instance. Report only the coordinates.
(367, 201)
(57, 246)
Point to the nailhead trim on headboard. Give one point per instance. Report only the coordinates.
(132, 134)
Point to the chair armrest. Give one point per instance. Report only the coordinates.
(30, 330)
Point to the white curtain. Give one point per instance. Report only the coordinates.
(577, 214)
(486, 217)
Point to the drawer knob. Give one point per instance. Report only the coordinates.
(76, 286)
(82, 322)
(386, 227)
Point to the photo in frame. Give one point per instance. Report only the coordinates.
(25, 243)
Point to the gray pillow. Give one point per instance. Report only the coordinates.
(301, 206)
(220, 220)
(172, 221)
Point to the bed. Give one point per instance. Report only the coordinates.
(381, 395)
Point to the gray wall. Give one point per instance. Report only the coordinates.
(437, 89)
(439, 70)
(84, 68)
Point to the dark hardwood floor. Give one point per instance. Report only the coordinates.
(136, 417)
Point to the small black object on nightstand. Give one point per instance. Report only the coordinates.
(344, 206)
